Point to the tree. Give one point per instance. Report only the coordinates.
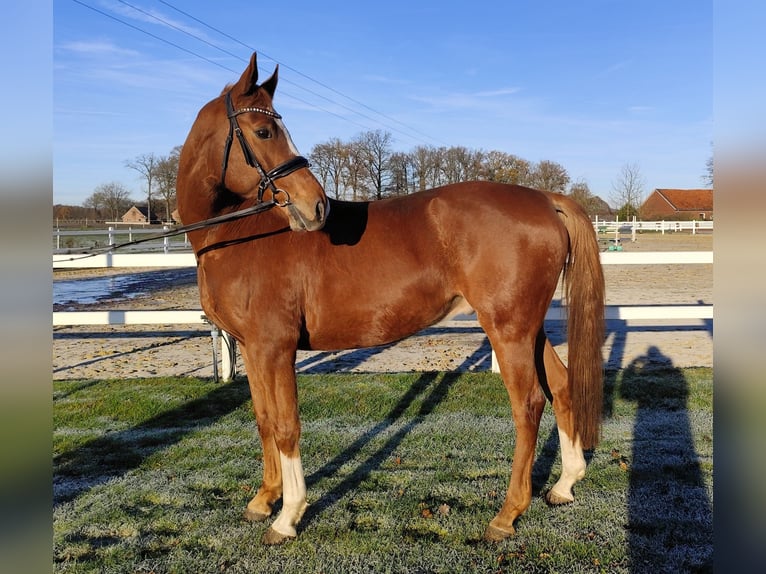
(506, 168)
(628, 191)
(549, 175)
(461, 164)
(374, 149)
(166, 173)
(146, 165)
(113, 198)
(423, 161)
(400, 165)
(707, 177)
(330, 160)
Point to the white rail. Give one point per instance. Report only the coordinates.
(654, 314)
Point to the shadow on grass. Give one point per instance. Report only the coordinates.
(439, 384)
(670, 517)
(101, 459)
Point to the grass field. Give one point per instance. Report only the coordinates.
(404, 471)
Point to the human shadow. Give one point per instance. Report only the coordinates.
(435, 386)
(97, 461)
(670, 518)
(352, 359)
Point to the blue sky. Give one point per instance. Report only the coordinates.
(592, 85)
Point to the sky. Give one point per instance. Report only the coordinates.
(594, 85)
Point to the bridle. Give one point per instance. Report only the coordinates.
(267, 178)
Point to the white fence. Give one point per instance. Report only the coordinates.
(634, 226)
(64, 241)
(643, 313)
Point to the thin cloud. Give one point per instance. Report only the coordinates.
(152, 16)
(499, 92)
(463, 100)
(97, 48)
(615, 68)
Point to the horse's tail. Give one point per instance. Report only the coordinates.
(584, 285)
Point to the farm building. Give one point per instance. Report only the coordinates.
(138, 214)
(678, 204)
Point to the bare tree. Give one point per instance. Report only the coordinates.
(329, 160)
(166, 173)
(113, 198)
(354, 174)
(461, 164)
(423, 160)
(707, 178)
(400, 165)
(146, 165)
(628, 191)
(374, 149)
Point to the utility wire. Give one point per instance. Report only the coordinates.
(327, 87)
(284, 93)
(129, 25)
(287, 80)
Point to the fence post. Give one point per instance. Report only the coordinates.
(111, 235)
(166, 240)
(694, 227)
(228, 357)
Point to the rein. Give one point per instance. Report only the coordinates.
(267, 181)
(234, 215)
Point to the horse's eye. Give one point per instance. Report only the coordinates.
(263, 134)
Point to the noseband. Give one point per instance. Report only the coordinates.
(267, 178)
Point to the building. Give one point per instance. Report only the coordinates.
(138, 214)
(678, 205)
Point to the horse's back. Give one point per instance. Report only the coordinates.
(388, 268)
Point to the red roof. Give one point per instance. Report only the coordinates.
(688, 199)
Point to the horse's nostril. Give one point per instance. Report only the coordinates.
(320, 211)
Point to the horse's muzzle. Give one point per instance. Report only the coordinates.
(301, 222)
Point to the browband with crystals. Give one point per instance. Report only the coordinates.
(256, 110)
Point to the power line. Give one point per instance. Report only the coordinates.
(322, 84)
(222, 66)
(238, 57)
(137, 28)
(129, 25)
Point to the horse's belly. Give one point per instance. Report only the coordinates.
(346, 329)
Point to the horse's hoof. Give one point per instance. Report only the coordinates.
(271, 537)
(253, 516)
(556, 499)
(494, 534)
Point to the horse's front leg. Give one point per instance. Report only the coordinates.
(275, 401)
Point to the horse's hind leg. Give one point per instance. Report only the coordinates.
(527, 402)
(555, 377)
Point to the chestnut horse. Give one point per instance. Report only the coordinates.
(315, 273)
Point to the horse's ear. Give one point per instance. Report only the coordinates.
(270, 85)
(248, 83)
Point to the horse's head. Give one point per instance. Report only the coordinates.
(239, 150)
